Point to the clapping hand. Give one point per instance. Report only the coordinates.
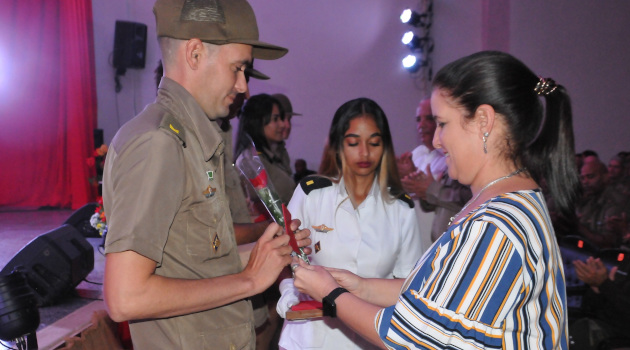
(418, 183)
(592, 272)
(405, 165)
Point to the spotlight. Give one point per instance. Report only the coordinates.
(416, 43)
(413, 18)
(411, 63)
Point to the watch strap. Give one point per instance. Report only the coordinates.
(329, 305)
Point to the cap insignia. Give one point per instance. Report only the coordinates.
(202, 11)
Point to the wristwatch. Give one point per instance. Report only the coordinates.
(329, 306)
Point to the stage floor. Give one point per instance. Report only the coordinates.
(19, 226)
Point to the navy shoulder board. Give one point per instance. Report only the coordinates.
(310, 183)
(407, 199)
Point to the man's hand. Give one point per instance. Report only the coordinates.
(417, 183)
(269, 256)
(302, 236)
(405, 165)
(272, 253)
(592, 272)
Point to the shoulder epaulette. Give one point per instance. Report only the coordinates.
(407, 199)
(310, 183)
(172, 125)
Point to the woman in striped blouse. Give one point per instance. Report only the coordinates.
(494, 279)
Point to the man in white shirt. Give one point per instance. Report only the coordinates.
(420, 167)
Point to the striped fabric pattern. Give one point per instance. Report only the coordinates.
(493, 281)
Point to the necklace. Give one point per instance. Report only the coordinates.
(518, 171)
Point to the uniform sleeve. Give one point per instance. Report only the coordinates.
(459, 298)
(147, 181)
(411, 249)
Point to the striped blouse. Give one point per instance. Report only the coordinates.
(494, 280)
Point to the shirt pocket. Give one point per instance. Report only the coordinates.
(207, 234)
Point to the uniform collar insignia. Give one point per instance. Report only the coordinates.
(210, 174)
(322, 228)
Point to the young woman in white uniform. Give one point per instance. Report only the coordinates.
(360, 219)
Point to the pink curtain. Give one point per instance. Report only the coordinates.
(47, 103)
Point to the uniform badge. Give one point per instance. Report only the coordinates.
(318, 247)
(322, 228)
(209, 192)
(210, 175)
(216, 242)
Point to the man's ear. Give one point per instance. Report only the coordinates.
(485, 117)
(194, 50)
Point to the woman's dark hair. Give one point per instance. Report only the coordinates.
(540, 138)
(332, 164)
(255, 115)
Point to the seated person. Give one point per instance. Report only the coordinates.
(601, 211)
(301, 170)
(607, 302)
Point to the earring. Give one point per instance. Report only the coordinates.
(485, 138)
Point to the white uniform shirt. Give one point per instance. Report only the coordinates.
(421, 157)
(377, 240)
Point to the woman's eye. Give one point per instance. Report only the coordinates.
(353, 144)
(375, 144)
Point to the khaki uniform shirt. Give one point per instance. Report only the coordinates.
(279, 174)
(233, 185)
(164, 195)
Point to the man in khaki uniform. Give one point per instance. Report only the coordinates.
(172, 266)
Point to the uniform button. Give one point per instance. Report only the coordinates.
(232, 347)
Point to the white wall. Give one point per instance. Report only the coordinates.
(339, 50)
(138, 86)
(583, 45)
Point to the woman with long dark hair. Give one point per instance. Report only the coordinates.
(359, 216)
(262, 121)
(495, 278)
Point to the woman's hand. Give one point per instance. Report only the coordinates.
(347, 279)
(313, 280)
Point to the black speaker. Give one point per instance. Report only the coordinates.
(54, 263)
(98, 138)
(80, 219)
(130, 45)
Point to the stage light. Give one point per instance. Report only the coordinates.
(411, 63)
(407, 37)
(406, 15)
(416, 43)
(415, 19)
